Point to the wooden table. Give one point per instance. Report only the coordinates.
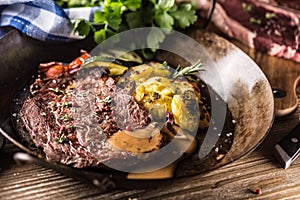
(238, 180)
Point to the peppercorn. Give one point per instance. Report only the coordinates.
(106, 108)
(62, 128)
(74, 104)
(112, 113)
(128, 128)
(258, 191)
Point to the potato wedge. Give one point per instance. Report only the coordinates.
(186, 110)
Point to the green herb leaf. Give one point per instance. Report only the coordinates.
(71, 128)
(154, 38)
(247, 7)
(133, 5)
(270, 15)
(114, 22)
(184, 16)
(65, 117)
(255, 21)
(134, 19)
(121, 15)
(114, 8)
(99, 18)
(62, 139)
(56, 104)
(165, 4)
(164, 20)
(68, 105)
(100, 36)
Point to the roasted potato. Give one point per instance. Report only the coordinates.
(185, 109)
(153, 85)
(156, 90)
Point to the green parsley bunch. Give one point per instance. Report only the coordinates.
(122, 15)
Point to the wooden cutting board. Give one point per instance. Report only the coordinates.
(284, 77)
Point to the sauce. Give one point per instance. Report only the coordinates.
(168, 171)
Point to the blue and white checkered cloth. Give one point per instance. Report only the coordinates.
(42, 19)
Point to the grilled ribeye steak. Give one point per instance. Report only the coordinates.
(63, 114)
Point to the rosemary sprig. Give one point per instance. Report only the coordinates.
(188, 70)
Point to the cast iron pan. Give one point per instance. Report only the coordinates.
(246, 92)
(2, 141)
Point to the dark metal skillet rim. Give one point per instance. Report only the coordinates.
(2, 141)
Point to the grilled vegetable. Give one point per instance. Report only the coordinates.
(185, 109)
(117, 67)
(141, 73)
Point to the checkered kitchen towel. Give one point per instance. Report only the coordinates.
(42, 19)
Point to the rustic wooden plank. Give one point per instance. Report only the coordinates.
(237, 180)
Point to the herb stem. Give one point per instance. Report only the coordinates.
(187, 70)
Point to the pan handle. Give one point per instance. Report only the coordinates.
(104, 182)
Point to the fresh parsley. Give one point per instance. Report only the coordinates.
(121, 15)
(65, 117)
(247, 7)
(270, 15)
(255, 21)
(68, 104)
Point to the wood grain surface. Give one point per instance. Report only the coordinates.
(237, 180)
